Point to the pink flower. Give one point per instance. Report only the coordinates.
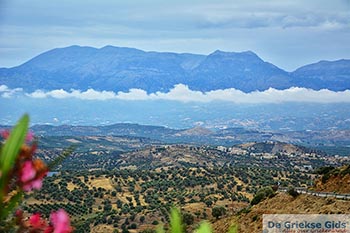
(36, 221)
(19, 213)
(31, 176)
(60, 222)
(49, 229)
(30, 136)
(5, 133)
(34, 184)
(37, 184)
(28, 171)
(19, 216)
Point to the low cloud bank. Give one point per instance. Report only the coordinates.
(6, 92)
(182, 93)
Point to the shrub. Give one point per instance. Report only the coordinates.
(133, 226)
(187, 218)
(324, 170)
(218, 211)
(345, 171)
(142, 218)
(255, 217)
(155, 222)
(325, 177)
(291, 191)
(262, 194)
(148, 231)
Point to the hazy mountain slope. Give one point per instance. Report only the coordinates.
(244, 71)
(120, 69)
(334, 142)
(108, 68)
(274, 147)
(333, 75)
(121, 129)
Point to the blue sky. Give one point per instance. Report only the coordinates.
(288, 33)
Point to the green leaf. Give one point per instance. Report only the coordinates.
(233, 229)
(175, 221)
(12, 204)
(8, 155)
(160, 229)
(13, 144)
(204, 228)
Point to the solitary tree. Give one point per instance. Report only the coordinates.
(187, 218)
(218, 211)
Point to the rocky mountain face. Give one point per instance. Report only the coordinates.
(120, 69)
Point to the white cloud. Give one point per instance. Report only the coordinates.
(38, 94)
(133, 94)
(3, 88)
(182, 93)
(89, 94)
(6, 92)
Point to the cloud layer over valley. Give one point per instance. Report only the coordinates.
(182, 93)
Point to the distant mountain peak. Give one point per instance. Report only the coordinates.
(246, 55)
(108, 47)
(196, 131)
(119, 49)
(218, 52)
(74, 47)
(248, 52)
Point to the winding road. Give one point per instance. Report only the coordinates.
(344, 196)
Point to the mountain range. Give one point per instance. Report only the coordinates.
(120, 69)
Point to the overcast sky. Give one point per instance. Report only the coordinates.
(288, 33)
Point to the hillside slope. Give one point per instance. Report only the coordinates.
(282, 203)
(336, 180)
(332, 180)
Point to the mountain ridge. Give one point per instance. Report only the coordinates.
(242, 137)
(121, 69)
